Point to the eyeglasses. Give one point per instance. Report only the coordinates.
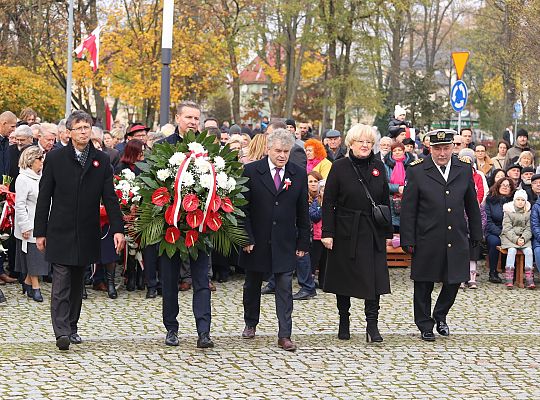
(457, 143)
(505, 185)
(364, 142)
(80, 129)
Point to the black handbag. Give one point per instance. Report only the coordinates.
(380, 212)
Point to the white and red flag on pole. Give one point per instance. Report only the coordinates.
(91, 43)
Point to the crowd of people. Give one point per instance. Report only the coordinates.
(324, 230)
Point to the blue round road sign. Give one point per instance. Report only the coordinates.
(458, 96)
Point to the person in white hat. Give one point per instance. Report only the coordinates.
(398, 123)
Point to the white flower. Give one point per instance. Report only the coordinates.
(206, 181)
(135, 189)
(202, 165)
(231, 184)
(128, 174)
(163, 174)
(222, 180)
(136, 199)
(219, 163)
(177, 158)
(187, 179)
(196, 148)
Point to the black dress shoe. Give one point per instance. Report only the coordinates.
(204, 341)
(268, 290)
(428, 336)
(303, 295)
(84, 293)
(443, 329)
(36, 295)
(62, 342)
(151, 293)
(75, 338)
(2, 297)
(495, 278)
(172, 338)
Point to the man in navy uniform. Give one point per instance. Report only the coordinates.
(439, 192)
(277, 225)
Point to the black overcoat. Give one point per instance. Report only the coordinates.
(276, 222)
(433, 220)
(356, 265)
(71, 223)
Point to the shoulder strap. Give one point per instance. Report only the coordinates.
(360, 178)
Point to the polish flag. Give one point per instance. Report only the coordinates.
(108, 117)
(91, 43)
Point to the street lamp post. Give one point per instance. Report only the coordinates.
(166, 57)
(70, 59)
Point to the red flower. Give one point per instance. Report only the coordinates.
(226, 205)
(161, 196)
(169, 215)
(213, 221)
(194, 218)
(117, 177)
(215, 203)
(119, 193)
(172, 234)
(124, 202)
(190, 202)
(191, 237)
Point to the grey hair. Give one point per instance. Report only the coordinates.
(97, 132)
(62, 125)
(155, 136)
(23, 130)
(187, 104)
(466, 152)
(280, 135)
(78, 116)
(48, 128)
(29, 155)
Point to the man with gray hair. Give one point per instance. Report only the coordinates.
(277, 225)
(63, 135)
(47, 137)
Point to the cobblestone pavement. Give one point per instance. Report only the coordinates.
(493, 352)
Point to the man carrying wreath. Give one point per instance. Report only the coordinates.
(187, 119)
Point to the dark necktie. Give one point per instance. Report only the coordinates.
(443, 168)
(277, 178)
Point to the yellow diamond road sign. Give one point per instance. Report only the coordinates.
(460, 60)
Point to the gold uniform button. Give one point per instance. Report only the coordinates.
(447, 192)
(449, 244)
(449, 210)
(449, 228)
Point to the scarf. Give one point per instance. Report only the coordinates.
(312, 164)
(398, 172)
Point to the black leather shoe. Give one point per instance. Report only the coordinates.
(268, 290)
(151, 293)
(495, 278)
(75, 338)
(62, 342)
(2, 297)
(303, 295)
(428, 336)
(172, 338)
(37, 296)
(443, 329)
(84, 293)
(204, 341)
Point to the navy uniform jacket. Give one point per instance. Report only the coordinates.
(433, 220)
(276, 222)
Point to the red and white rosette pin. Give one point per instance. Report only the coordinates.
(96, 163)
(375, 172)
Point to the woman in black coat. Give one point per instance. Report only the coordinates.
(356, 265)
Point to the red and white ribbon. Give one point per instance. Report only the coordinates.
(210, 198)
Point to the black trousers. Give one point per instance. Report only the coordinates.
(284, 300)
(170, 274)
(422, 304)
(150, 258)
(66, 298)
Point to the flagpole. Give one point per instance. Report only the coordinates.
(166, 58)
(70, 59)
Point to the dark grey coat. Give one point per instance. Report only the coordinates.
(433, 220)
(276, 222)
(356, 266)
(71, 224)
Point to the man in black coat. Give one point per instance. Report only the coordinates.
(277, 225)
(187, 119)
(439, 191)
(75, 180)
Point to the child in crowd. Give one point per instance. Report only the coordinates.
(516, 234)
(318, 251)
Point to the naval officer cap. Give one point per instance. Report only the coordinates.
(441, 136)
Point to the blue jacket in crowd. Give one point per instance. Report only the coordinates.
(535, 224)
(495, 214)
